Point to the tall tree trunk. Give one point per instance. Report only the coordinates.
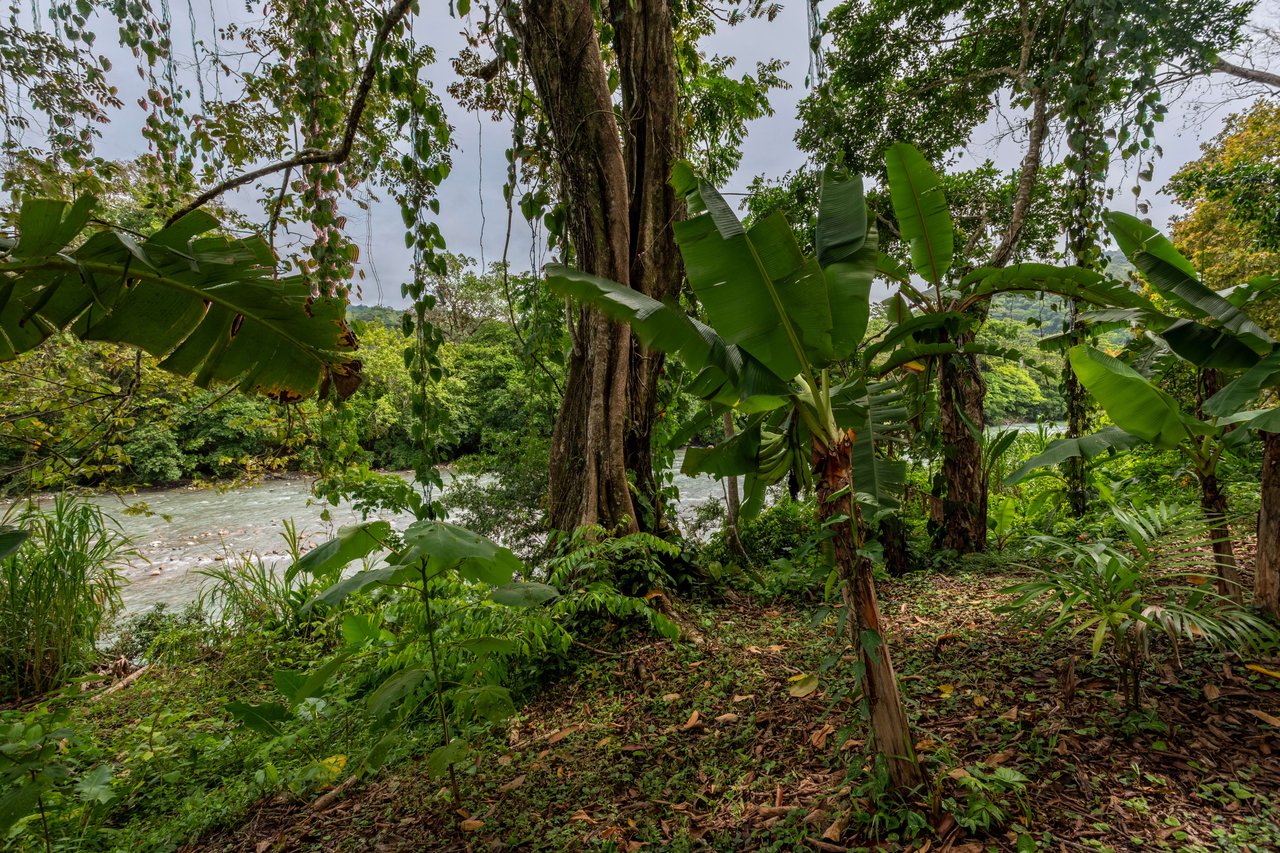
(1075, 396)
(620, 211)
(961, 390)
(1267, 572)
(1214, 505)
(648, 78)
(889, 728)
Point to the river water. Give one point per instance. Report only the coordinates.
(187, 529)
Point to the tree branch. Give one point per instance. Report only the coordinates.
(1254, 75)
(1026, 180)
(311, 157)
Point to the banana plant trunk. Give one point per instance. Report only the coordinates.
(833, 469)
(1267, 572)
(1213, 502)
(961, 394)
(733, 502)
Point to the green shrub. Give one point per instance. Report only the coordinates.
(154, 455)
(55, 593)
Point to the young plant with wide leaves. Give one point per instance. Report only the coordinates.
(209, 306)
(1216, 337)
(935, 327)
(781, 329)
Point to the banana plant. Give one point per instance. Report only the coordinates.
(1143, 414)
(935, 325)
(781, 329)
(1217, 337)
(209, 306)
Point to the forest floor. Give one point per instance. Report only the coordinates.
(704, 744)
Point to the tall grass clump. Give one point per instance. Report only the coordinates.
(55, 593)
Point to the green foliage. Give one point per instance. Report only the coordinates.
(1154, 582)
(56, 591)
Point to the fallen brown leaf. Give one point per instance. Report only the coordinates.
(727, 718)
(1211, 692)
(690, 723)
(563, 733)
(507, 787)
(1265, 717)
(471, 825)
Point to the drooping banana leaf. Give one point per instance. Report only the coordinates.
(847, 253)
(1089, 447)
(924, 221)
(1175, 277)
(1206, 346)
(1132, 402)
(206, 304)
(1246, 388)
(1072, 282)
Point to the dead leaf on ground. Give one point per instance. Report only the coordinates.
(819, 737)
(670, 697)
(691, 722)
(1265, 717)
(1211, 692)
(836, 830)
(1011, 715)
(507, 787)
(563, 733)
(581, 816)
(471, 825)
(742, 698)
(727, 718)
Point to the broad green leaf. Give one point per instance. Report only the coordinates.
(1246, 388)
(11, 539)
(524, 594)
(395, 690)
(1129, 398)
(19, 802)
(355, 583)
(443, 757)
(95, 786)
(1187, 292)
(921, 209)
(1072, 282)
(742, 303)
(289, 682)
(489, 701)
(352, 543)
(1134, 237)
(489, 646)
(447, 546)
(729, 458)
(267, 719)
(1208, 347)
(361, 628)
(211, 307)
(842, 219)
(1087, 446)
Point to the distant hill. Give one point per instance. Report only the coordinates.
(381, 314)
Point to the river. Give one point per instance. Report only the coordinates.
(187, 529)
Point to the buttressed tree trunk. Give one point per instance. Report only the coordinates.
(613, 181)
(1213, 502)
(1267, 573)
(833, 470)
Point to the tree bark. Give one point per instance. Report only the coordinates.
(890, 730)
(1214, 505)
(613, 182)
(961, 390)
(1266, 584)
(651, 136)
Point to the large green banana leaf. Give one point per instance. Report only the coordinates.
(1073, 282)
(206, 304)
(1174, 276)
(924, 221)
(1089, 447)
(1131, 401)
(1246, 388)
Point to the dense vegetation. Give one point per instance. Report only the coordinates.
(997, 563)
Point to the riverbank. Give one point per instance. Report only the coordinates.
(706, 743)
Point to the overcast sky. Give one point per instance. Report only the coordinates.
(472, 209)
